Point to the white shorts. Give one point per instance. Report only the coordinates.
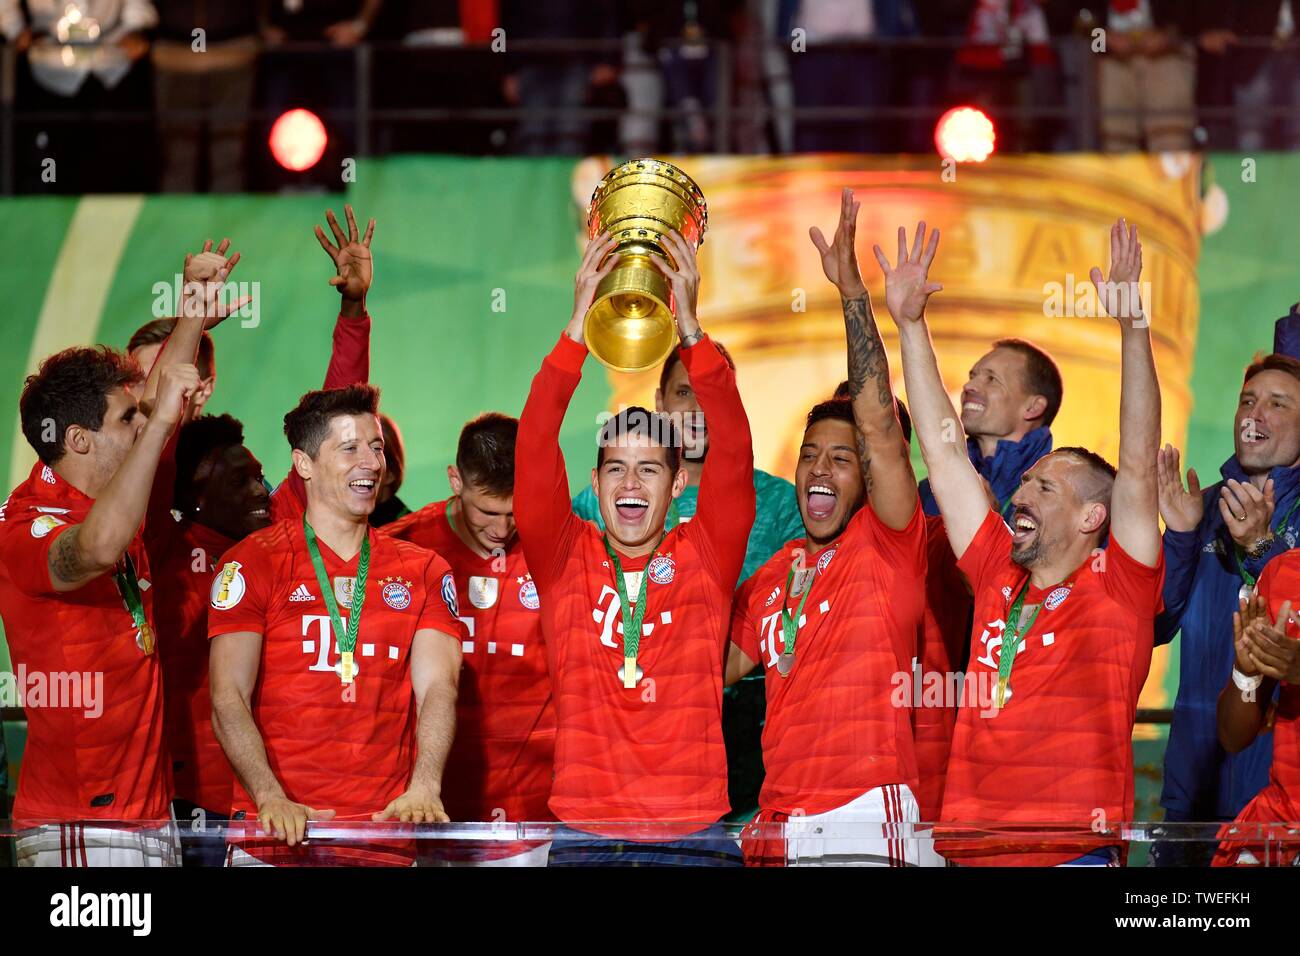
(75, 844)
(845, 837)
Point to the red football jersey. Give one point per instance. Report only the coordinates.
(501, 762)
(653, 753)
(1060, 750)
(184, 557)
(102, 757)
(1278, 801)
(351, 752)
(834, 727)
(940, 658)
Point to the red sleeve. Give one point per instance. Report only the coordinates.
(349, 364)
(743, 633)
(440, 611)
(543, 512)
(1130, 582)
(1264, 587)
(240, 588)
(25, 550)
(906, 549)
(724, 514)
(988, 553)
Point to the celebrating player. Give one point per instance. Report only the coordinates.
(1044, 736)
(502, 759)
(835, 745)
(314, 710)
(635, 619)
(1267, 665)
(76, 599)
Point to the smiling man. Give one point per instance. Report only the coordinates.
(636, 619)
(316, 706)
(1007, 409)
(837, 747)
(1217, 543)
(502, 760)
(1063, 625)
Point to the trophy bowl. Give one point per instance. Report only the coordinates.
(630, 325)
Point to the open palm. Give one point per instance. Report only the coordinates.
(351, 255)
(907, 283)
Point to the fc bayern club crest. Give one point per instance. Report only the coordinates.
(824, 561)
(528, 596)
(1056, 598)
(662, 570)
(397, 595)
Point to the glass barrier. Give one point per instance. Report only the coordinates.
(814, 841)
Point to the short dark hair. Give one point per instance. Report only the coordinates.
(845, 391)
(1275, 362)
(840, 409)
(636, 420)
(1042, 376)
(156, 332)
(1102, 473)
(485, 454)
(675, 356)
(71, 388)
(308, 424)
(197, 440)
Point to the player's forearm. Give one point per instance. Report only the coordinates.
(541, 482)
(237, 732)
(180, 348)
(934, 420)
(726, 503)
(434, 734)
(1240, 716)
(1139, 408)
(873, 399)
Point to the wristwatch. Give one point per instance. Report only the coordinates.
(1260, 547)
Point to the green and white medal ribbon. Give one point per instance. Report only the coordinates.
(347, 640)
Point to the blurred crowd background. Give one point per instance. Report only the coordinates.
(180, 95)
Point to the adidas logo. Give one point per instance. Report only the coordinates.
(300, 593)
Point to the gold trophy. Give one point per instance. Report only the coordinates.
(630, 325)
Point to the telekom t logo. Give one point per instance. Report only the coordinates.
(603, 615)
(324, 642)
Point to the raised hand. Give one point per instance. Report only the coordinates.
(593, 268)
(176, 383)
(840, 257)
(907, 284)
(203, 279)
(1119, 294)
(684, 281)
(1247, 511)
(351, 256)
(1181, 508)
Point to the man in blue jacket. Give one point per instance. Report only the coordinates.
(1007, 408)
(1216, 544)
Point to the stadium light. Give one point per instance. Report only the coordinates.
(298, 140)
(965, 134)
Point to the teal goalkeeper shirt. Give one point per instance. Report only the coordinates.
(776, 519)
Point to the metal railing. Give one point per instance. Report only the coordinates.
(1076, 109)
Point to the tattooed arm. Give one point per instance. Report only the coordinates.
(886, 467)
